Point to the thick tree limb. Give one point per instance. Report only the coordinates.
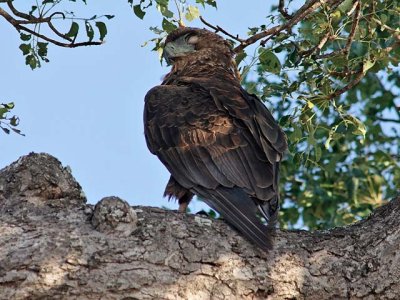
(54, 246)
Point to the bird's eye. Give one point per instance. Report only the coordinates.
(192, 39)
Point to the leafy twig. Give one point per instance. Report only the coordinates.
(357, 12)
(30, 19)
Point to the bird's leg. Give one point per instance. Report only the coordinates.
(175, 190)
(183, 206)
(184, 201)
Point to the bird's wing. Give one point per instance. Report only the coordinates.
(252, 112)
(212, 142)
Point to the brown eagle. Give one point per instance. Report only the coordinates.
(217, 141)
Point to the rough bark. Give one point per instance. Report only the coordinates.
(54, 246)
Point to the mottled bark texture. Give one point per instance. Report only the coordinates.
(54, 246)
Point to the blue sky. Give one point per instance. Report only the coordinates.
(85, 106)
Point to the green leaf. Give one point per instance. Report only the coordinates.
(165, 11)
(368, 64)
(102, 29)
(168, 26)
(42, 49)
(25, 48)
(269, 62)
(284, 120)
(138, 11)
(345, 6)
(318, 153)
(17, 131)
(6, 130)
(31, 61)
(240, 56)
(34, 7)
(359, 126)
(212, 3)
(3, 111)
(192, 13)
(297, 134)
(73, 31)
(14, 121)
(89, 31)
(10, 105)
(25, 37)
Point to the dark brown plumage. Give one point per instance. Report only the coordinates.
(217, 141)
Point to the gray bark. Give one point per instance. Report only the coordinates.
(55, 246)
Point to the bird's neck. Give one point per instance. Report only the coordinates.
(204, 67)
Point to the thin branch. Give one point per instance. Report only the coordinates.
(9, 18)
(64, 36)
(356, 20)
(359, 76)
(18, 13)
(283, 10)
(57, 13)
(318, 47)
(55, 42)
(385, 26)
(388, 120)
(344, 73)
(178, 7)
(219, 29)
(28, 19)
(345, 51)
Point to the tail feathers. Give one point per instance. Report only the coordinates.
(239, 210)
(269, 210)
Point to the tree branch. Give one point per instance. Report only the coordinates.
(318, 47)
(300, 15)
(55, 246)
(219, 29)
(283, 10)
(65, 37)
(18, 13)
(57, 43)
(388, 120)
(344, 73)
(358, 77)
(357, 8)
(30, 19)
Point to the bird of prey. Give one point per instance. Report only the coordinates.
(218, 141)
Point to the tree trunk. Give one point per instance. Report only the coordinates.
(54, 246)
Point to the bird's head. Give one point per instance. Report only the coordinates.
(191, 42)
